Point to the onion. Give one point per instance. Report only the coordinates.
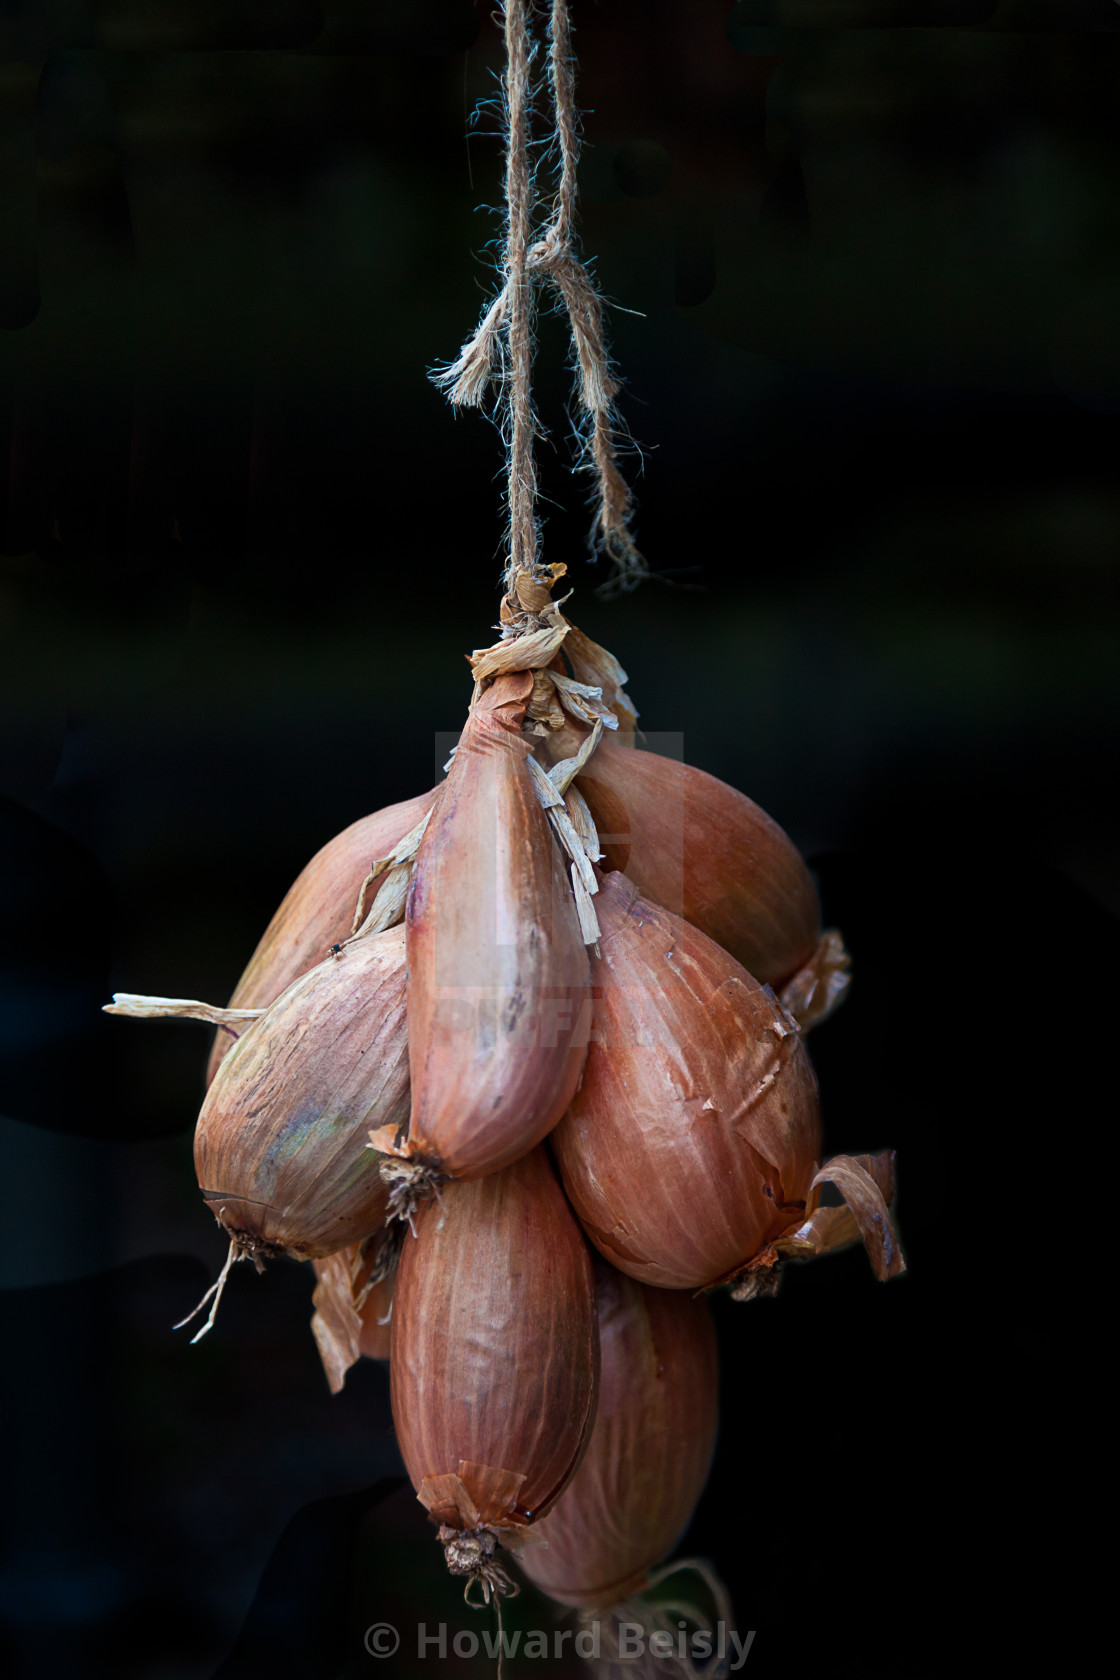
(352, 1312)
(494, 1359)
(281, 1146)
(649, 1453)
(695, 1132)
(317, 911)
(706, 852)
(497, 966)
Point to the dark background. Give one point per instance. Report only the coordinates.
(867, 260)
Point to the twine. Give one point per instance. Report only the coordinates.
(523, 530)
(501, 348)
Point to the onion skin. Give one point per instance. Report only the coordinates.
(281, 1147)
(345, 1331)
(593, 664)
(497, 969)
(650, 1450)
(317, 911)
(494, 1350)
(701, 849)
(695, 1133)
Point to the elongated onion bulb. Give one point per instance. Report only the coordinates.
(497, 967)
(494, 1356)
(650, 1450)
(695, 1133)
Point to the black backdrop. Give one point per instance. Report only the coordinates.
(867, 258)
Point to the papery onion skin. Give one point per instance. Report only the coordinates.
(281, 1147)
(593, 664)
(650, 1450)
(317, 911)
(344, 1330)
(701, 849)
(494, 1350)
(497, 969)
(695, 1133)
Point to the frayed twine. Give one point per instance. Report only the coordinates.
(500, 350)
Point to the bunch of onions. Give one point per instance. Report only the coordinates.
(570, 939)
(593, 945)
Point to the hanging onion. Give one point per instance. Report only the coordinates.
(494, 1359)
(699, 848)
(497, 966)
(281, 1148)
(317, 911)
(649, 1453)
(695, 1132)
(690, 1150)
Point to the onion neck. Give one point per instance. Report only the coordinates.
(410, 1181)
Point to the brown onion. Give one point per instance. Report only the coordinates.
(318, 909)
(649, 1453)
(352, 1313)
(497, 967)
(281, 1148)
(706, 852)
(695, 1133)
(494, 1357)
